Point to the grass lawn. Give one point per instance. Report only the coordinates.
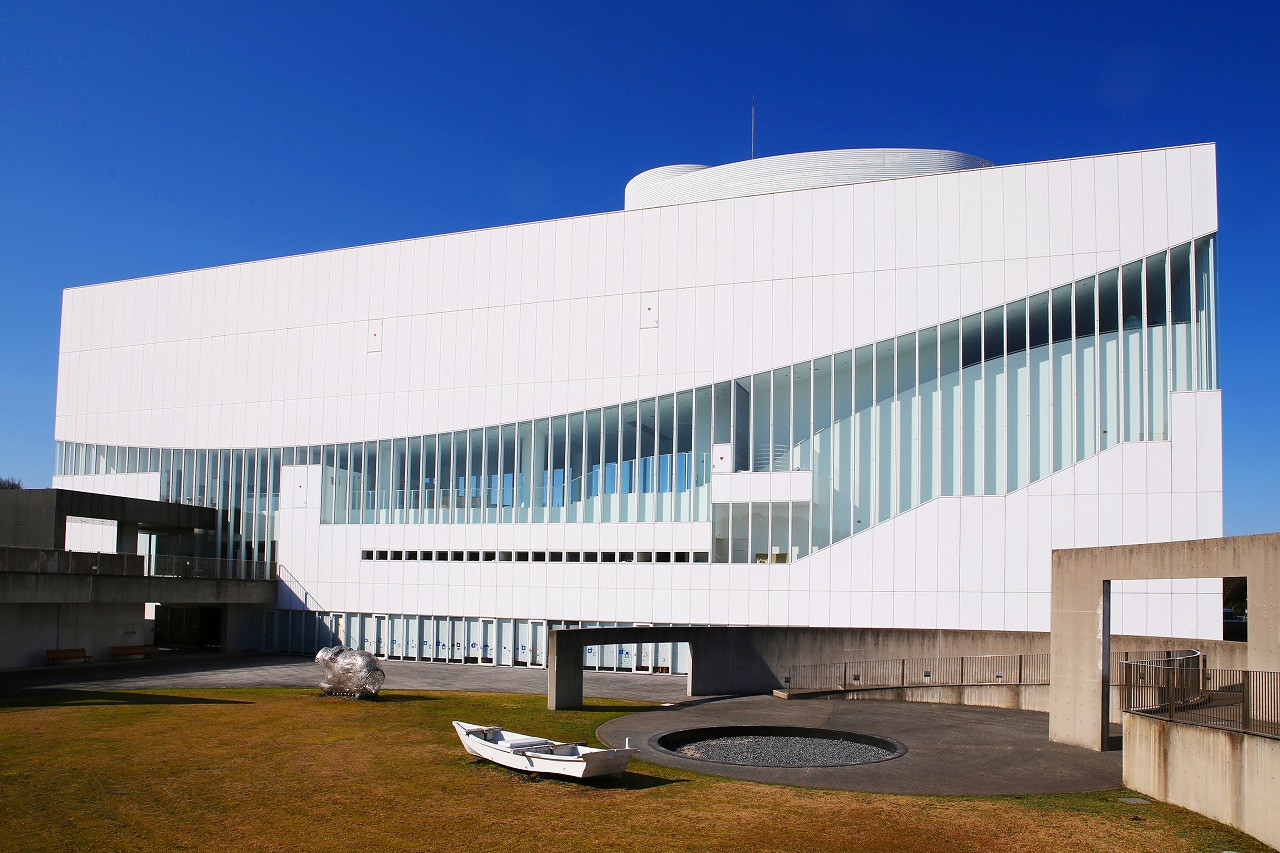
(289, 769)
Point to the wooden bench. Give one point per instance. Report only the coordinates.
(118, 652)
(55, 655)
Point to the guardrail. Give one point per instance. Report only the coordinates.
(49, 561)
(1184, 690)
(166, 565)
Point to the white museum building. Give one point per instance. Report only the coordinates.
(866, 388)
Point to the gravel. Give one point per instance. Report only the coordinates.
(782, 751)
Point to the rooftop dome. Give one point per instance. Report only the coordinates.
(805, 171)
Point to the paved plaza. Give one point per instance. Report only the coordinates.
(952, 750)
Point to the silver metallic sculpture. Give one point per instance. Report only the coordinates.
(348, 672)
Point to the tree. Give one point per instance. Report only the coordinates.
(10, 483)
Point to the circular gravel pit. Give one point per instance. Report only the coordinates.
(777, 746)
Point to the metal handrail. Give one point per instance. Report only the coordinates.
(1185, 691)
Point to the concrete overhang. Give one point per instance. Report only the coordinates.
(39, 588)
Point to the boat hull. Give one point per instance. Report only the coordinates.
(580, 763)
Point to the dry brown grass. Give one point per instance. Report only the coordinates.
(287, 770)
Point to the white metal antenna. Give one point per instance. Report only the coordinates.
(753, 127)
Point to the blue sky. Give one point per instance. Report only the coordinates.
(141, 138)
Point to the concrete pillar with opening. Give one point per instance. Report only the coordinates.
(1080, 621)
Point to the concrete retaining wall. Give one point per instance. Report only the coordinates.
(1228, 776)
(1019, 697)
(27, 630)
(757, 660)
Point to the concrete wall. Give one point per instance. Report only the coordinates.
(756, 660)
(1080, 622)
(1228, 776)
(28, 630)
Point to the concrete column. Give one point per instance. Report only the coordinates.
(564, 671)
(126, 537)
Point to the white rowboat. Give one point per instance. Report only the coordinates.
(540, 755)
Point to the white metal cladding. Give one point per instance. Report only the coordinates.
(785, 172)
(535, 320)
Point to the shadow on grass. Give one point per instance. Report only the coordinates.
(628, 781)
(67, 698)
(401, 698)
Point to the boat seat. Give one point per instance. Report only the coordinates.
(525, 742)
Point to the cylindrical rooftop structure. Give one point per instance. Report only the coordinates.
(680, 184)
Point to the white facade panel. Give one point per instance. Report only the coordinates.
(643, 316)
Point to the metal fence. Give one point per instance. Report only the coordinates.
(921, 672)
(49, 561)
(165, 565)
(1183, 690)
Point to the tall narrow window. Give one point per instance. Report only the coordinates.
(1018, 380)
(683, 486)
(847, 371)
(720, 533)
(627, 464)
(739, 532)
(444, 485)
(647, 441)
(905, 404)
(475, 476)
(1134, 370)
(507, 474)
(541, 465)
(559, 465)
(801, 410)
(396, 479)
(742, 424)
(759, 532)
(1180, 316)
(995, 393)
(459, 484)
(664, 458)
(702, 427)
(780, 451)
(949, 381)
(929, 415)
(1206, 314)
(761, 437)
(573, 467)
(723, 417)
(609, 463)
(1063, 414)
(591, 466)
(1109, 433)
(822, 462)
(413, 481)
(1040, 386)
(430, 480)
(971, 404)
(1157, 349)
(883, 461)
(1086, 371)
(524, 472)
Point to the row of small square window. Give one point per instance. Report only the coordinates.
(540, 556)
